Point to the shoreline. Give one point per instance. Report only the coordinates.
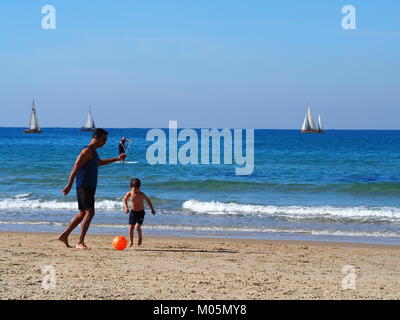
(196, 269)
(378, 241)
(202, 237)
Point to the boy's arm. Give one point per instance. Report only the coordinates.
(126, 197)
(153, 212)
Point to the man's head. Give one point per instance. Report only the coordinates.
(135, 184)
(100, 137)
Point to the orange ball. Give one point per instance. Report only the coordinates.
(119, 243)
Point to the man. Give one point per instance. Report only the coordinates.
(85, 170)
(121, 146)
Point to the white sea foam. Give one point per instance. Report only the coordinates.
(391, 214)
(23, 195)
(325, 232)
(22, 203)
(33, 223)
(227, 229)
(360, 214)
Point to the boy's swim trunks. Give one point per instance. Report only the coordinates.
(136, 217)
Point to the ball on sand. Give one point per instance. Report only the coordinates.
(119, 243)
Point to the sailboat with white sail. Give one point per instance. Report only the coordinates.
(33, 122)
(309, 125)
(320, 126)
(89, 124)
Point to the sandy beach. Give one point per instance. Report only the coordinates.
(195, 268)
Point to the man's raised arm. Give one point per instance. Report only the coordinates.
(103, 162)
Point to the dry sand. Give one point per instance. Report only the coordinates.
(195, 268)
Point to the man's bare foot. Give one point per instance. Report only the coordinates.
(130, 244)
(139, 242)
(82, 246)
(64, 240)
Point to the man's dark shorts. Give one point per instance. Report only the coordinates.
(85, 196)
(136, 217)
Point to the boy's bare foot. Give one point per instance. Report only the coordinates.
(139, 242)
(64, 240)
(82, 246)
(130, 244)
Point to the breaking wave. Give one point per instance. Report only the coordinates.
(373, 214)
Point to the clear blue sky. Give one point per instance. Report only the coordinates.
(205, 63)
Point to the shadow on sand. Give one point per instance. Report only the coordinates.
(188, 250)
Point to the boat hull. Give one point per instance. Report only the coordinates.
(312, 131)
(87, 129)
(32, 131)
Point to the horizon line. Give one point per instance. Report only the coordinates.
(18, 127)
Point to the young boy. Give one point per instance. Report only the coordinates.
(136, 215)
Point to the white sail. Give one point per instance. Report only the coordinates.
(89, 124)
(310, 119)
(33, 122)
(308, 124)
(305, 124)
(320, 126)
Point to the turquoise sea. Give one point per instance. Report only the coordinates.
(339, 186)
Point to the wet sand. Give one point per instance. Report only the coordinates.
(196, 268)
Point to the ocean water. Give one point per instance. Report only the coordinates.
(338, 186)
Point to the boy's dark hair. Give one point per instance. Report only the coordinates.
(100, 133)
(135, 182)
